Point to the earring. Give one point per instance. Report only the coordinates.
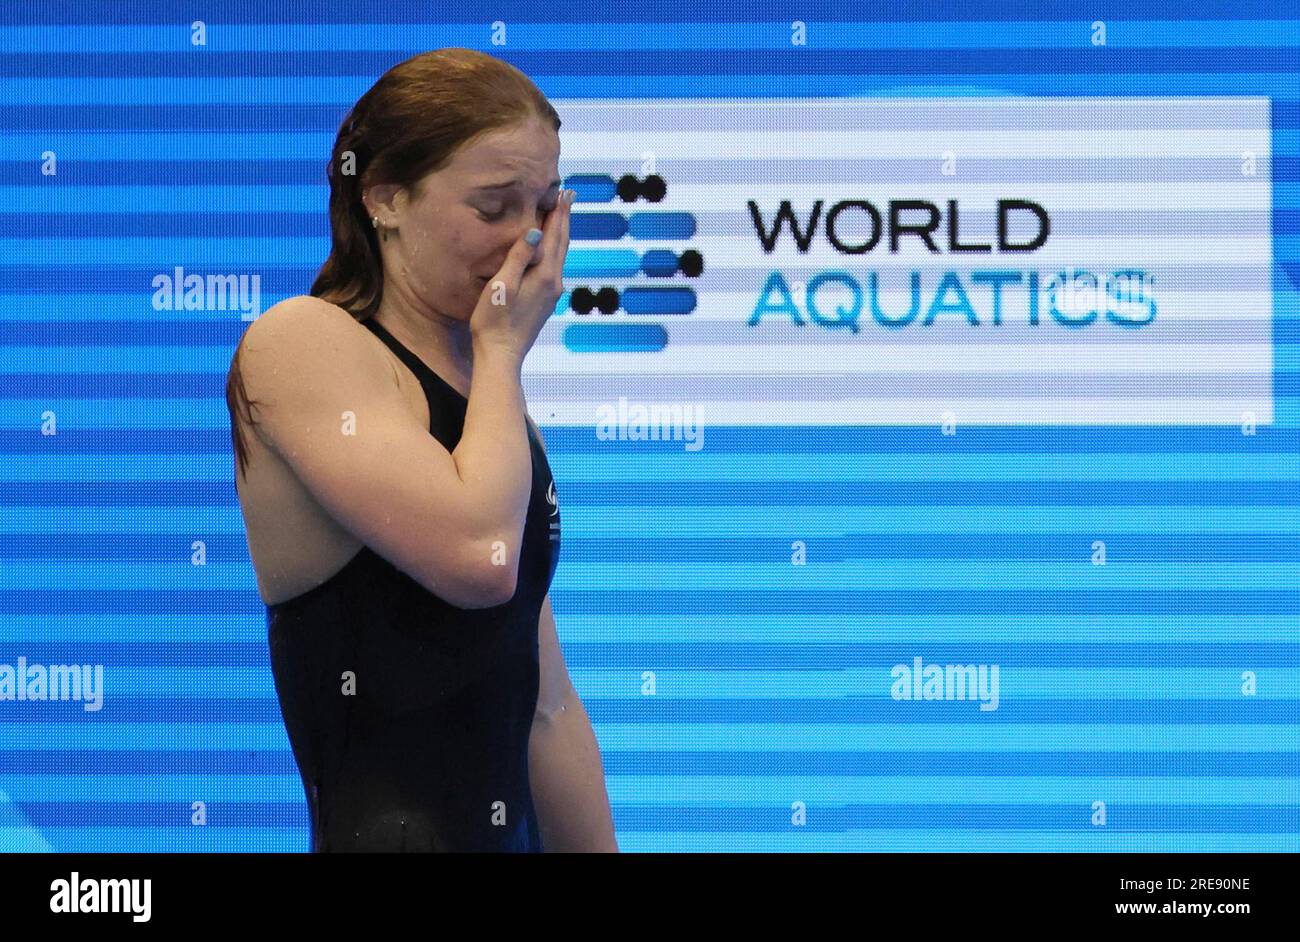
(383, 232)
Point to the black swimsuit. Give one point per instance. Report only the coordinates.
(409, 717)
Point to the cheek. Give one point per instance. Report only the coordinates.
(454, 239)
(432, 259)
(445, 251)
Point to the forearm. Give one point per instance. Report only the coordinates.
(568, 782)
(493, 457)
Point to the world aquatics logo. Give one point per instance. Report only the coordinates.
(1072, 297)
(596, 305)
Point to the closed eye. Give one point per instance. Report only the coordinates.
(500, 213)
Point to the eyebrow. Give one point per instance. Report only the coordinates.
(510, 183)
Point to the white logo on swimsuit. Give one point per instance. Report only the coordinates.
(555, 524)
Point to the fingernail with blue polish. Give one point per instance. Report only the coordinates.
(533, 237)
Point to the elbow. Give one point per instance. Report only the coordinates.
(490, 596)
(489, 586)
(498, 579)
(485, 577)
(505, 588)
(472, 595)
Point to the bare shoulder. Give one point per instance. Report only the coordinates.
(299, 320)
(306, 337)
(302, 354)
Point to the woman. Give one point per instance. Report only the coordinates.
(400, 509)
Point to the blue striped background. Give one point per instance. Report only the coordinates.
(1118, 684)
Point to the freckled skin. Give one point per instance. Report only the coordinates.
(443, 242)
